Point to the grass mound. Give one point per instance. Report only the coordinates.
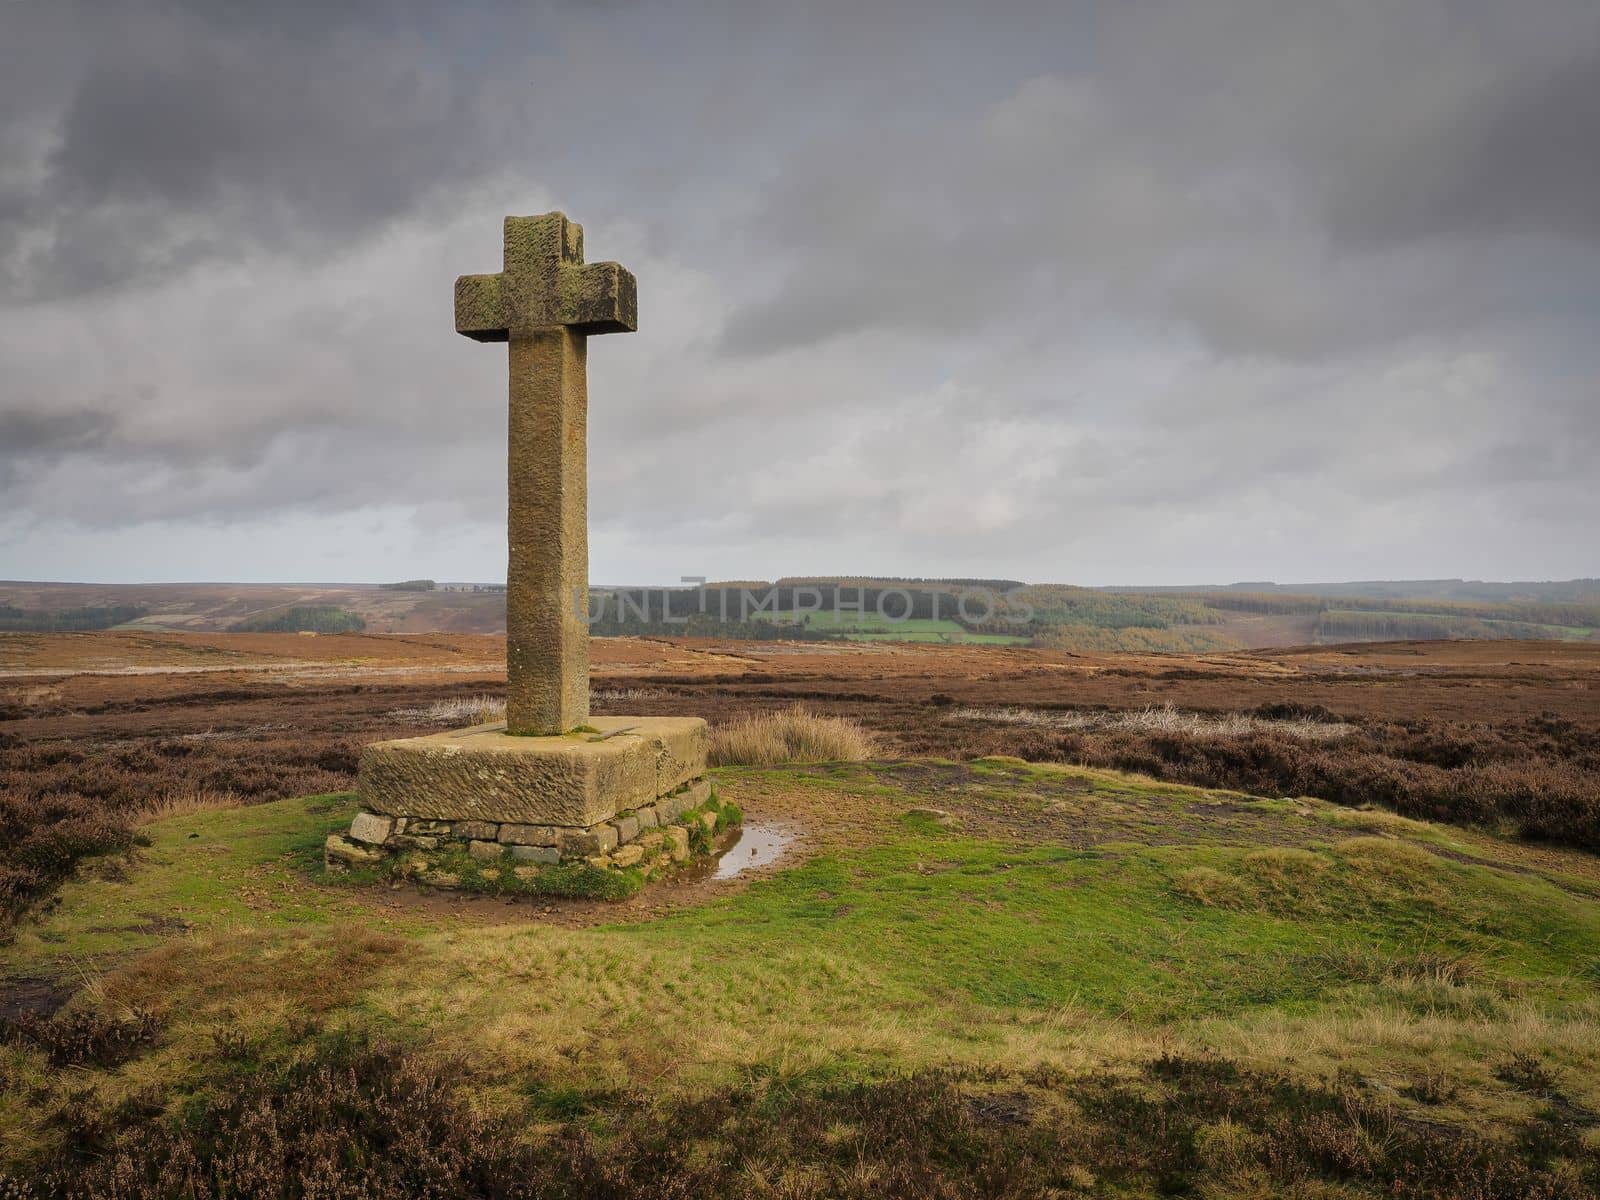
(795, 735)
(1537, 777)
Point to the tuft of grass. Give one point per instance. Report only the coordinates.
(185, 802)
(1212, 888)
(795, 735)
(728, 813)
(456, 710)
(579, 881)
(1366, 965)
(624, 695)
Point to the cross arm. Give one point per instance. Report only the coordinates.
(596, 298)
(480, 308)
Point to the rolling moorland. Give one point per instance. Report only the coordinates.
(1241, 616)
(1314, 922)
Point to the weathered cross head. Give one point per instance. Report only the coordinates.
(546, 283)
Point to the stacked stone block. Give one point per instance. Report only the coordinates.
(624, 840)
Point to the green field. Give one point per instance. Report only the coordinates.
(1060, 929)
(870, 627)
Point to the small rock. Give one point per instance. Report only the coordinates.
(440, 879)
(647, 817)
(371, 828)
(341, 850)
(627, 856)
(409, 842)
(485, 851)
(668, 808)
(525, 874)
(692, 796)
(677, 842)
(428, 828)
(709, 821)
(536, 854)
(583, 843)
(475, 831)
(651, 838)
(530, 835)
(627, 828)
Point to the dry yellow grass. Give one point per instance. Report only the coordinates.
(795, 735)
(186, 801)
(459, 710)
(1161, 719)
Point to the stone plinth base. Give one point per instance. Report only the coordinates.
(664, 824)
(574, 781)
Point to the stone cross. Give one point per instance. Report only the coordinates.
(545, 304)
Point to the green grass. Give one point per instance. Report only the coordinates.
(1115, 931)
(252, 867)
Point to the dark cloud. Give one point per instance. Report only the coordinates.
(26, 434)
(189, 145)
(1517, 157)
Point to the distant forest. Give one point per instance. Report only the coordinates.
(67, 620)
(307, 618)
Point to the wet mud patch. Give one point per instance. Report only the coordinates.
(35, 996)
(924, 778)
(152, 924)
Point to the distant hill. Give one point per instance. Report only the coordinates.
(1066, 617)
(1569, 590)
(220, 607)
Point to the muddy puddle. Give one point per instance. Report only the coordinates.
(757, 844)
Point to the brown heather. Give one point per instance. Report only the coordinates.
(362, 1120)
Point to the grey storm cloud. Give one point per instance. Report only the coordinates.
(190, 137)
(1084, 291)
(26, 434)
(1516, 158)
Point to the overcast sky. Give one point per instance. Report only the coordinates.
(1109, 292)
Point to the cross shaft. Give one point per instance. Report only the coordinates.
(545, 304)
